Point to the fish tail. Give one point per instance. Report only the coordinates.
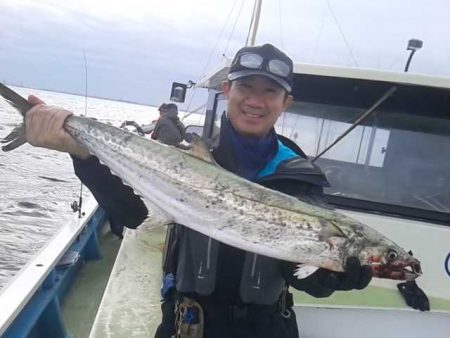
(17, 136)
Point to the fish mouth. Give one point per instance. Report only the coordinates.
(397, 270)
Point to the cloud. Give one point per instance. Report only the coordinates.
(136, 48)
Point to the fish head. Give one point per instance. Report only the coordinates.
(390, 262)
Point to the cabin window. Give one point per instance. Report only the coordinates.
(396, 157)
(314, 134)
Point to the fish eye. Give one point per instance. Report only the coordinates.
(392, 255)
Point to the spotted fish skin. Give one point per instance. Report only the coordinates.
(201, 195)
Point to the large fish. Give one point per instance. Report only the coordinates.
(190, 189)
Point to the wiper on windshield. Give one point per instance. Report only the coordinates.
(360, 119)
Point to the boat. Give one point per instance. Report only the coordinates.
(391, 173)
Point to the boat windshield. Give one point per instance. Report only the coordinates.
(400, 156)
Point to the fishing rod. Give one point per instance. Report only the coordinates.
(74, 205)
(360, 119)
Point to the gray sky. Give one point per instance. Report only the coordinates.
(136, 48)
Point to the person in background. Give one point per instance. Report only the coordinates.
(162, 109)
(169, 129)
(236, 293)
(149, 128)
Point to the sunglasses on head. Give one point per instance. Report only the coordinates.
(256, 61)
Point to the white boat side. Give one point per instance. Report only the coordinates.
(350, 322)
(412, 234)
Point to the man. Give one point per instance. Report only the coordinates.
(169, 129)
(162, 111)
(211, 289)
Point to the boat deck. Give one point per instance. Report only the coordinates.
(131, 303)
(130, 306)
(83, 299)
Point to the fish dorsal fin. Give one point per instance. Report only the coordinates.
(200, 150)
(330, 230)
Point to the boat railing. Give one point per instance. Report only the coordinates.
(33, 295)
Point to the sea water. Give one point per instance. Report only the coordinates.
(38, 185)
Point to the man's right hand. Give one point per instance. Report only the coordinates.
(44, 128)
(323, 282)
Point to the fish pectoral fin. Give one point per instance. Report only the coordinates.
(200, 150)
(15, 138)
(304, 270)
(330, 230)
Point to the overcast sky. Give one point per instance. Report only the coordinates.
(135, 49)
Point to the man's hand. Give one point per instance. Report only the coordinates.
(323, 282)
(355, 276)
(44, 128)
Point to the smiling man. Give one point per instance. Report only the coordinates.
(258, 93)
(210, 289)
(240, 293)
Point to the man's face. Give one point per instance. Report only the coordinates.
(254, 104)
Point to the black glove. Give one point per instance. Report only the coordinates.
(323, 282)
(354, 277)
(414, 296)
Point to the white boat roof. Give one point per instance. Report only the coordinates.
(215, 78)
